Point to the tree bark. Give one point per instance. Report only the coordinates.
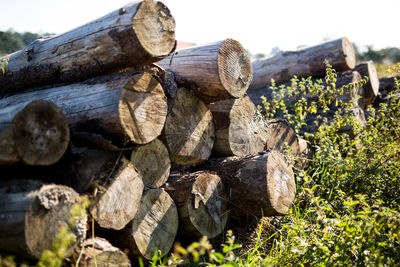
(303, 62)
(215, 71)
(371, 88)
(239, 128)
(153, 163)
(258, 185)
(31, 220)
(189, 129)
(114, 186)
(201, 202)
(32, 132)
(282, 137)
(306, 154)
(99, 252)
(137, 34)
(124, 107)
(387, 85)
(154, 227)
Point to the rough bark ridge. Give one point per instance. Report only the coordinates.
(137, 34)
(215, 71)
(124, 107)
(30, 220)
(303, 63)
(201, 202)
(34, 133)
(258, 185)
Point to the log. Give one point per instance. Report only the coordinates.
(387, 84)
(258, 185)
(239, 128)
(140, 33)
(152, 162)
(32, 132)
(303, 62)
(371, 88)
(201, 202)
(124, 107)
(282, 137)
(99, 252)
(306, 154)
(114, 186)
(154, 227)
(189, 129)
(215, 71)
(31, 220)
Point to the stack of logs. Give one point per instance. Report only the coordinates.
(158, 149)
(308, 62)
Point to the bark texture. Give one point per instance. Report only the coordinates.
(215, 71)
(32, 132)
(201, 202)
(124, 107)
(137, 34)
(303, 62)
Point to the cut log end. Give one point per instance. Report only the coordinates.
(281, 136)
(207, 206)
(41, 133)
(143, 108)
(153, 163)
(155, 15)
(48, 211)
(99, 252)
(239, 128)
(156, 224)
(281, 185)
(371, 89)
(119, 202)
(349, 54)
(234, 67)
(189, 129)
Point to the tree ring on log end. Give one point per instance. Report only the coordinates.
(207, 206)
(153, 163)
(349, 53)
(153, 15)
(50, 210)
(41, 133)
(156, 223)
(281, 184)
(143, 108)
(234, 68)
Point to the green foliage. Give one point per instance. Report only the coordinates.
(3, 64)
(388, 55)
(13, 41)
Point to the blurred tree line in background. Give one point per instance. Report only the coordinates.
(11, 41)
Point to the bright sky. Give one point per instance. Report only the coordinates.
(259, 25)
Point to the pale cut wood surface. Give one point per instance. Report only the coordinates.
(34, 133)
(156, 224)
(371, 88)
(257, 185)
(114, 187)
(152, 162)
(239, 128)
(189, 129)
(124, 107)
(30, 220)
(282, 137)
(303, 62)
(215, 71)
(201, 201)
(99, 252)
(140, 33)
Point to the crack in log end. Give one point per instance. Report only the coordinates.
(234, 68)
(154, 29)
